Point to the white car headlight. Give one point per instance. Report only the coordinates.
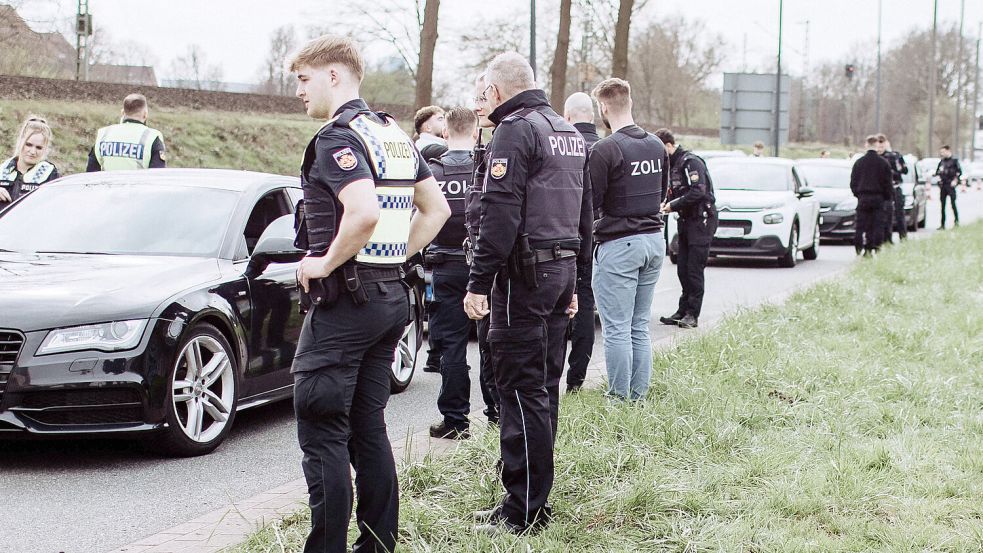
(773, 218)
(114, 336)
(848, 204)
(909, 201)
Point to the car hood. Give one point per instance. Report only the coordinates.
(749, 199)
(829, 197)
(42, 291)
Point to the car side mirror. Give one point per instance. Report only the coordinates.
(805, 192)
(275, 245)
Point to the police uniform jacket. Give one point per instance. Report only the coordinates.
(17, 184)
(335, 158)
(629, 179)
(589, 132)
(692, 196)
(453, 172)
(871, 178)
(898, 166)
(950, 170)
(156, 152)
(536, 183)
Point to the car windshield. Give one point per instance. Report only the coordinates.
(825, 176)
(119, 219)
(728, 174)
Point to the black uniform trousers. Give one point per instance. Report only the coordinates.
(486, 376)
(887, 220)
(900, 224)
(691, 261)
(948, 192)
(581, 335)
(450, 329)
(869, 229)
(527, 335)
(341, 387)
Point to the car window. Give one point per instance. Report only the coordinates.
(133, 219)
(739, 174)
(825, 175)
(269, 208)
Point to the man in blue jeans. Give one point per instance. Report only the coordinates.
(629, 172)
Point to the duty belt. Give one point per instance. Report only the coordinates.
(553, 254)
(438, 258)
(374, 274)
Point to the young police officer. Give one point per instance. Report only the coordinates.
(579, 110)
(130, 144)
(449, 325)
(535, 222)
(692, 198)
(895, 216)
(871, 182)
(629, 176)
(361, 178)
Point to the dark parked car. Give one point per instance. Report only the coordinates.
(830, 178)
(152, 303)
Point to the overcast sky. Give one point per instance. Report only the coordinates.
(235, 33)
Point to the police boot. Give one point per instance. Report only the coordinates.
(672, 319)
(449, 432)
(689, 321)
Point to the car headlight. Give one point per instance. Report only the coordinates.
(773, 218)
(114, 336)
(909, 201)
(848, 204)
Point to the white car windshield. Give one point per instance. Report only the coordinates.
(119, 219)
(730, 174)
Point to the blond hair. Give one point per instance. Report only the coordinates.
(327, 49)
(34, 124)
(615, 93)
(461, 122)
(134, 104)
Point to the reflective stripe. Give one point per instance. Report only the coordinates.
(127, 145)
(388, 242)
(525, 441)
(391, 153)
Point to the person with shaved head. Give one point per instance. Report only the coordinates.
(579, 110)
(130, 144)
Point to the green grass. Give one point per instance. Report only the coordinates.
(272, 143)
(848, 419)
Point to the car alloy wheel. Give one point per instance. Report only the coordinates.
(404, 361)
(812, 252)
(202, 398)
(788, 260)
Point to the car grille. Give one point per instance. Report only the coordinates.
(90, 406)
(10, 344)
(733, 223)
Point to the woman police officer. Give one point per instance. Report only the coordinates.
(28, 168)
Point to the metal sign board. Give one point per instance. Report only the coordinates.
(747, 109)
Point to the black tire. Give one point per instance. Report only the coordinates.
(788, 260)
(408, 351)
(813, 253)
(173, 440)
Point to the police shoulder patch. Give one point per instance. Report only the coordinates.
(345, 158)
(694, 176)
(499, 166)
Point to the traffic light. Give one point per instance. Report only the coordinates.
(850, 70)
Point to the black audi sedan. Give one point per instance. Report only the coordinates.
(154, 303)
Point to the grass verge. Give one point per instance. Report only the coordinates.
(847, 419)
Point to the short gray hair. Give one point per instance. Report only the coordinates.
(510, 72)
(579, 108)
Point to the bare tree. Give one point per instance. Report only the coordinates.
(619, 61)
(558, 69)
(428, 42)
(276, 78)
(193, 71)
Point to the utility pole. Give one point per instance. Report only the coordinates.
(803, 99)
(83, 30)
(959, 79)
(976, 96)
(931, 81)
(877, 110)
(532, 35)
(778, 83)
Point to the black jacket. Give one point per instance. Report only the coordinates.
(589, 132)
(871, 178)
(949, 170)
(898, 165)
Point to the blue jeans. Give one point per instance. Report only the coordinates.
(625, 273)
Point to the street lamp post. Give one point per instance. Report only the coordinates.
(778, 83)
(931, 80)
(877, 110)
(532, 35)
(959, 79)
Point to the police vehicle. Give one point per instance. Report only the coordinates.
(765, 210)
(153, 303)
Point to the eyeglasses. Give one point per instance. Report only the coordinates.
(36, 120)
(483, 97)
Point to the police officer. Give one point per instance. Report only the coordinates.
(361, 177)
(130, 144)
(894, 215)
(692, 197)
(629, 174)
(430, 122)
(949, 172)
(871, 182)
(579, 110)
(29, 168)
(759, 149)
(535, 221)
(449, 325)
(486, 377)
